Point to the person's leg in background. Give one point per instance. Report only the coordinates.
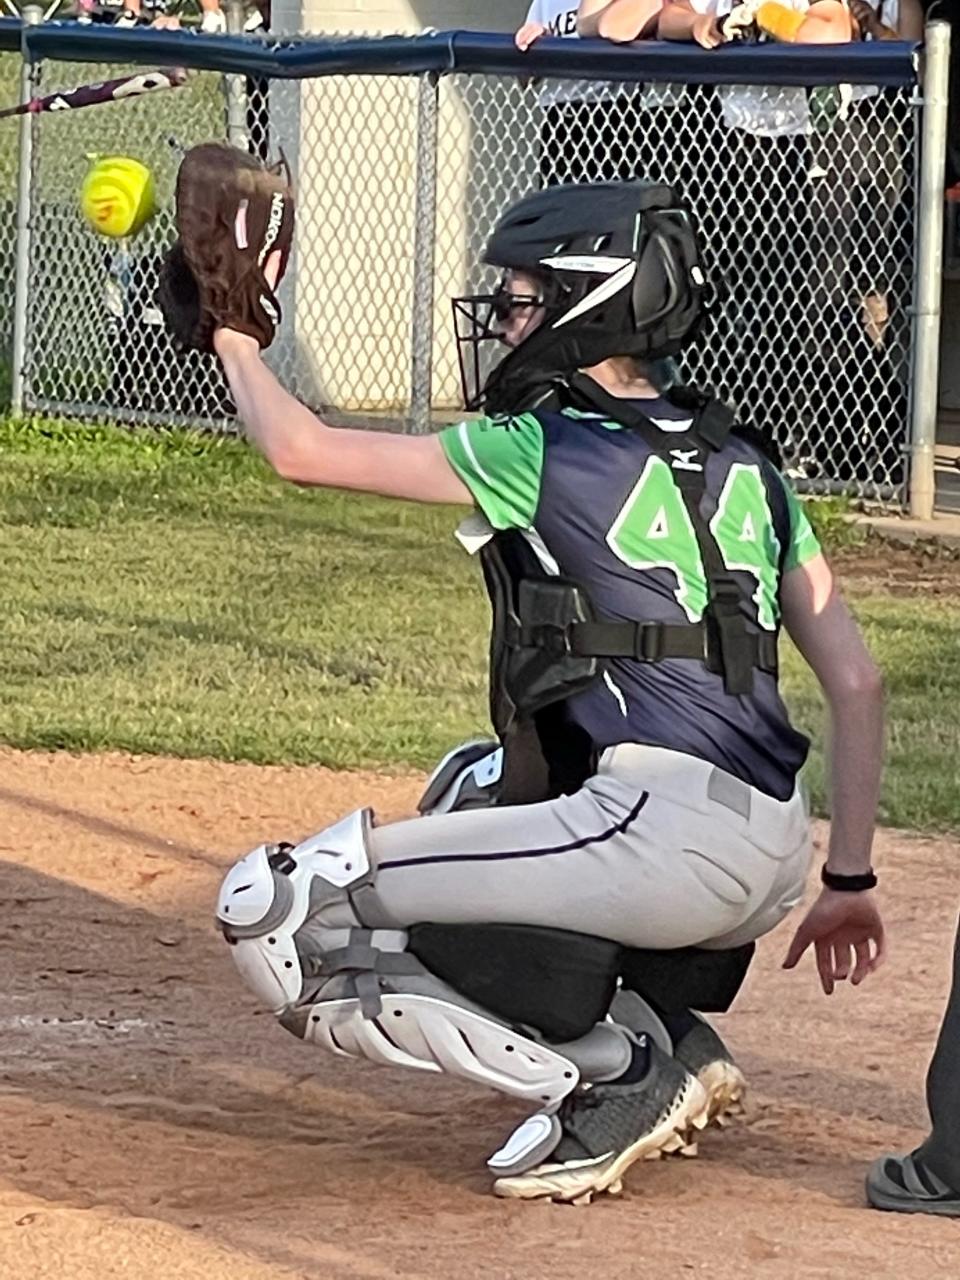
(563, 142)
(862, 217)
(755, 349)
(258, 116)
(592, 140)
(928, 1180)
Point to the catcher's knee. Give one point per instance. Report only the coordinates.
(283, 907)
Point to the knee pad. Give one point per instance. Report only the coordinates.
(558, 982)
(268, 897)
(468, 777)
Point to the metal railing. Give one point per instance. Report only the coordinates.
(824, 243)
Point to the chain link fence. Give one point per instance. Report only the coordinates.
(9, 96)
(809, 241)
(95, 340)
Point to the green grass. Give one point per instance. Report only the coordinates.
(165, 593)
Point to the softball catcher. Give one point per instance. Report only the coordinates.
(641, 553)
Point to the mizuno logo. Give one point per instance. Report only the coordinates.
(684, 460)
(274, 224)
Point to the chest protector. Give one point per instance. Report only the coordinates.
(548, 642)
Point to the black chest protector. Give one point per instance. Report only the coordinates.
(548, 642)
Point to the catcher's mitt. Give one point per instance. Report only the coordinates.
(232, 213)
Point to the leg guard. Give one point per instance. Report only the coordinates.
(308, 935)
(468, 777)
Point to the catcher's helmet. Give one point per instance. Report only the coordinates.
(620, 269)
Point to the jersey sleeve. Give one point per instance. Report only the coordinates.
(804, 544)
(500, 460)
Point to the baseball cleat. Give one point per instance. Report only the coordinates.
(705, 1056)
(605, 1128)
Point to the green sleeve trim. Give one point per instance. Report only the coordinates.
(500, 460)
(804, 544)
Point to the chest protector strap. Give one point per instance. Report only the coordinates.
(548, 643)
(722, 640)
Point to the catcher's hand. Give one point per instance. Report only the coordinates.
(847, 935)
(233, 214)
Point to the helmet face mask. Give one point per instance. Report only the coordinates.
(622, 277)
(479, 321)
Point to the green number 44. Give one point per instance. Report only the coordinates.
(653, 531)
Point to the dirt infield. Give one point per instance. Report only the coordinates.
(155, 1126)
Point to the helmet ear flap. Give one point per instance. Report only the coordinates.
(669, 271)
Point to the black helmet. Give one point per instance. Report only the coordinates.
(620, 269)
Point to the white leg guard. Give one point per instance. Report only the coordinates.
(309, 938)
(267, 898)
(433, 1034)
(468, 777)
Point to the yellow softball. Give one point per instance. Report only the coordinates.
(118, 196)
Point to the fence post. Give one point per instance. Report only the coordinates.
(32, 15)
(424, 251)
(926, 346)
(235, 86)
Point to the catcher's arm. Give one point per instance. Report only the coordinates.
(307, 451)
(821, 626)
(845, 929)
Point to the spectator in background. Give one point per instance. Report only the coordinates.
(256, 17)
(590, 130)
(811, 186)
(214, 20)
(861, 198)
(744, 156)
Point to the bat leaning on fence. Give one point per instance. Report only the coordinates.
(90, 95)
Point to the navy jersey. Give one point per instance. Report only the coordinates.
(604, 510)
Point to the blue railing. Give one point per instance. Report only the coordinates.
(793, 200)
(892, 64)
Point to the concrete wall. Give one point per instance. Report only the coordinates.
(352, 144)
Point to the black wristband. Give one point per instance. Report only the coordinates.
(848, 884)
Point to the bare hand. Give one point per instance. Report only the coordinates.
(841, 927)
(739, 21)
(529, 32)
(706, 31)
(868, 20)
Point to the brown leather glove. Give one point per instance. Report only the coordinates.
(232, 214)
